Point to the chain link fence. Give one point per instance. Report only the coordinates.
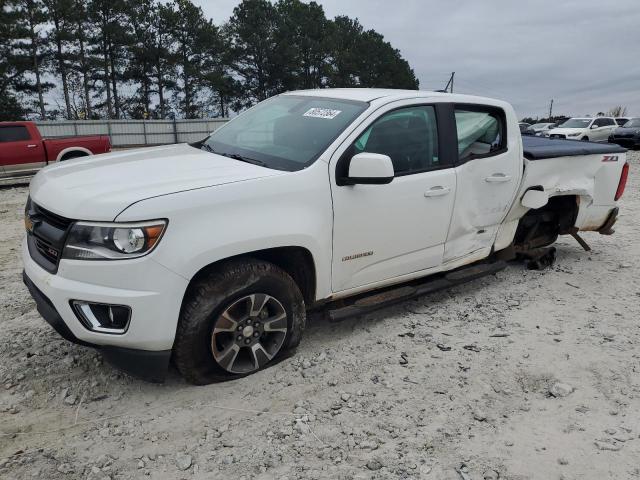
(133, 133)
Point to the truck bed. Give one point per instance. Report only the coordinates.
(540, 148)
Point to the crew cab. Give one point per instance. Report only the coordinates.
(23, 151)
(212, 253)
(585, 129)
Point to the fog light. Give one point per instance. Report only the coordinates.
(101, 317)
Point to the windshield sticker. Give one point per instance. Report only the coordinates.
(322, 113)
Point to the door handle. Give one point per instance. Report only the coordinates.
(498, 178)
(437, 191)
(32, 145)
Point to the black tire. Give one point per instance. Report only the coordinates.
(214, 294)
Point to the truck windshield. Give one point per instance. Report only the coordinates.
(287, 132)
(576, 123)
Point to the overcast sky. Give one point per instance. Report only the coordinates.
(582, 53)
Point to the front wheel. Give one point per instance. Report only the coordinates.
(236, 320)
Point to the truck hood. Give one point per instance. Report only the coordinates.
(100, 187)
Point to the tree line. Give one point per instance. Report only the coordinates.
(90, 59)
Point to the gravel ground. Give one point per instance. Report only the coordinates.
(519, 375)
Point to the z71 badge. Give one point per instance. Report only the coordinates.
(610, 158)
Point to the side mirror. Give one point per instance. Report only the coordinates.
(370, 169)
(594, 126)
(534, 199)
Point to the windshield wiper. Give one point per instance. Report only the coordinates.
(242, 158)
(235, 156)
(207, 147)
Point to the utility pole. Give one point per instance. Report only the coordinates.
(449, 85)
(550, 109)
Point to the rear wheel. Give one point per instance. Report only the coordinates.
(236, 320)
(71, 155)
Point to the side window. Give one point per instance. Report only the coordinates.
(481, 131)
(608, 122)
(599, 122)
(409, 136)
(13, 134)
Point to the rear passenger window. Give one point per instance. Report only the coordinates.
(409, 136)
(481, 132)
(14, 134)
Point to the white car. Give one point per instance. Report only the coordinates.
(540, 128)
(211, 253)
(588, 129)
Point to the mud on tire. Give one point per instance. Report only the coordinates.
(212, 295)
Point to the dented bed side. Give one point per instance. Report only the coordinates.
(591, 179)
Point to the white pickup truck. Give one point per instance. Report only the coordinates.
(212, 253)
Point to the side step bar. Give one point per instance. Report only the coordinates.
(370, 302)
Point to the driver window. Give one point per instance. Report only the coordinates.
(409, 136)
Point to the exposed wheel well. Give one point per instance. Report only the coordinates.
(541, 226)
(73, 154)
(296, 261)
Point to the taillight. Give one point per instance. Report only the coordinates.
(623, 181)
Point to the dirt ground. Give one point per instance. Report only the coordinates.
(521, 375)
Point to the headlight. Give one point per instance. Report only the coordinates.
(574, 134)
(112, 241)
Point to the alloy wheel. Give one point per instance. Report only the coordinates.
(249, 333)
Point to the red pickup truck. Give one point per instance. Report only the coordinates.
(23, 151)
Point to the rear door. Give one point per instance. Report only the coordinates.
(382, 232)
(19, 153)
(604, 127)
(488, 171)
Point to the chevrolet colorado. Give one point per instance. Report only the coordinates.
(23, 151)
(212, 253)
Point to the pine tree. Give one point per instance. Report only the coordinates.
(140, 62)
(84, 64)
(11, 69)
(194, 38)
(58, 12)
(301, 44)
(109, 40)
(251, 33)
(30, 44)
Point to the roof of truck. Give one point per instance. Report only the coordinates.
(365, 94)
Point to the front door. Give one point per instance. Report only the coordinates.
(386, 231)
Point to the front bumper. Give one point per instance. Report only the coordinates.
(153, 293)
